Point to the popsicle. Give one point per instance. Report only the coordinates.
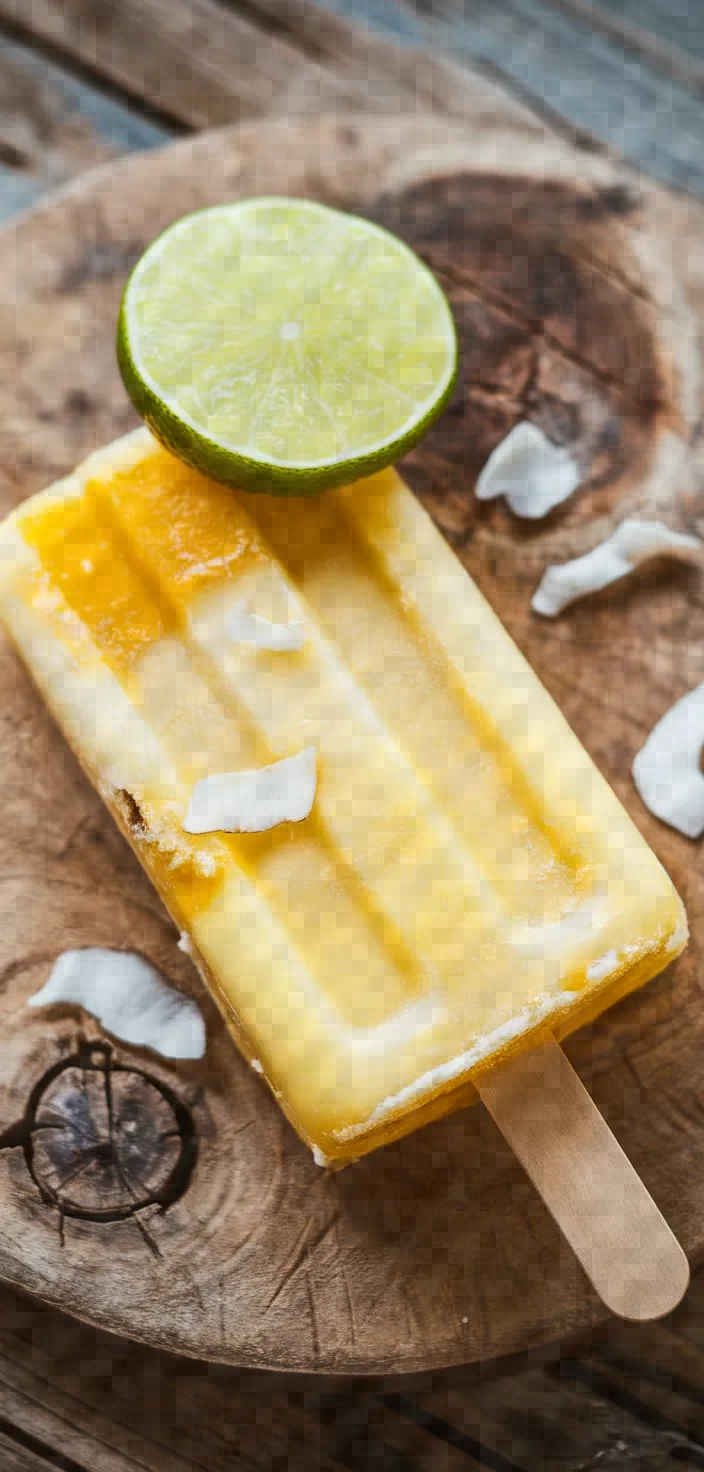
(465, 884)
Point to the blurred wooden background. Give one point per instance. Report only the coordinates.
(84, 81)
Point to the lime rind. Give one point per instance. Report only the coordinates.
(314, 350)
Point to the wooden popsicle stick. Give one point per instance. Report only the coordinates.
(589, 1186)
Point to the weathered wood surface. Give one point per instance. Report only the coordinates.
(681, 26)
(628, 1397)
(203, 64)
(435, 1250)
(671, 38)
(582, 78)
(587, 68)
(53, 125)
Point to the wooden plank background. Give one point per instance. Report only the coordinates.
(632, 1397)
(108, 77)
(83, 81)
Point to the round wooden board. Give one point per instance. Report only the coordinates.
(436, 1250)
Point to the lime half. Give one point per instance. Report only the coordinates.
(279, 345)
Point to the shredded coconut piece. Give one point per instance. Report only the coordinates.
(678, 939)
(599, 970)
(666, 770)
(248, 628)
(530, 471)
(252, 802)
(321, 1159)
(129, 997)
(256, 1065)
(634, 541)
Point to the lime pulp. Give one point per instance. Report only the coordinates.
(277, 344)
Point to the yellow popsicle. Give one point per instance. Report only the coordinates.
(466, 881)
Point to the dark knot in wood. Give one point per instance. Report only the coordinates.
(103, 1141)
(544, 332)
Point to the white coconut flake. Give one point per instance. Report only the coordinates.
(252, 802)
(321, 1159)
(185, 944)
(530, 471)
(635, 541)
(666, 770)
(256, 1065)
(599, 970)
(129, 997)
(678, 939)
(248, 628)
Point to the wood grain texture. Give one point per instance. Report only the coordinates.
(203, 63)
(164, 1414)
(673, 40)
(591, 71)
(435, 1250)
(53, 125)
(580, 77)
(682, 25)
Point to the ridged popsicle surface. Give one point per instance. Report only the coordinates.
(466, 879)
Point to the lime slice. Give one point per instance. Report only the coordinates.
(279, 345)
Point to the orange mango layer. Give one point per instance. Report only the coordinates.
(466, 880)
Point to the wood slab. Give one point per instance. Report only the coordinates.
(205, 1227)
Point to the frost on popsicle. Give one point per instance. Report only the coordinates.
(530, 471)
(252, 802)
(635, 541)
(129, 997)
(249, 628)
(666, 770)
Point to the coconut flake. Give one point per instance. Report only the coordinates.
(321, 1159)
(129, 997)
(252, 802)
(634, 541)
(678, 939)
(530, 471)
(599, 970)
(666, 770)
(185, 944)
(248, 628)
